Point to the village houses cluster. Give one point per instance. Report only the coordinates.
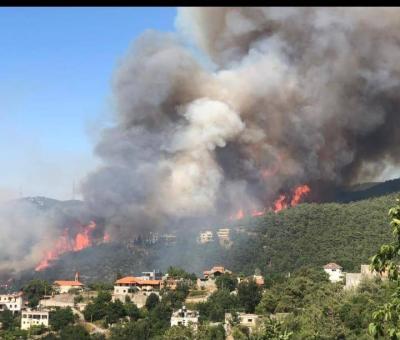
(138, 289)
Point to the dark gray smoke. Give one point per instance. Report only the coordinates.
(299, 95)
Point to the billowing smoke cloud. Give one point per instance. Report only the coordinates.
(298, 96)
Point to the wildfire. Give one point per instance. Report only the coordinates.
(66, 243)
(299, 192)
(281, 203)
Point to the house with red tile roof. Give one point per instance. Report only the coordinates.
(215, 272)
(63, 286)
(334, 271)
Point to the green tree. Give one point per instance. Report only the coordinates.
(207, 332)
(7, 319)
(176, 273)
(249, 295)
(136, 330)
(74, 332)
(226, 281)
(272, 330)
(132, 311)
(179, 333)
(114, 311)
(34, 290)
(268, 303)
(152, 301)
(60, 318)
(386, 319)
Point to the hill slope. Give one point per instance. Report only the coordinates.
(309, 234)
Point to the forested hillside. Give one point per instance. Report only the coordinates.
(309, 234)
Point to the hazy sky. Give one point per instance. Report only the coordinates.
(56, 66)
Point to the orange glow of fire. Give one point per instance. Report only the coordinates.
(299, 193)
(281, 203)
(65, 243)
(106, 237)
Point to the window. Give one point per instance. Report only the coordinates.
(44, 316)
(36, 317)
(249, 320)
(24, 316)
(30, 316)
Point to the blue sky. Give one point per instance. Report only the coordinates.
(56, 66)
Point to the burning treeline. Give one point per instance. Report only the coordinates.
(289, 98)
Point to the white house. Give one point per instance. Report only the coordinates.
(184, 317)
(31, 317)
(12, 302)
(63, 286)
(205, 237)
(334, 271)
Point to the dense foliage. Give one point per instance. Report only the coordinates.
(386, 320)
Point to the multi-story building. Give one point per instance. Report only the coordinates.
(224, 237)
(185, 317)
(31, 317)
(154, 275)
(205, 237)
(130, 284)
(12, 302)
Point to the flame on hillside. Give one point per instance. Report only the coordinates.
(67, 243)
(282, 202)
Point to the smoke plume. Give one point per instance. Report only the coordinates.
(298, 95)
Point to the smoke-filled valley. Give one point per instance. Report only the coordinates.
(295, 104)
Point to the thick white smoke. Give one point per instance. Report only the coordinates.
(299, 95)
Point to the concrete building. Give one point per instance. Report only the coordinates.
(247, 320)
(63, 286)
(130, 284)
(31, 317)
(59, 300)
(136, 288)
(12, 302)
(215, 271)
(334, 271)
(154, 275)
(184, 317)
(206, 237)
(224, 236)
(353, 280)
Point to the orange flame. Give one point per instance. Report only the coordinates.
(299, 192)
(106, 237)
(83, 239)
(280, 203)
(65, 244)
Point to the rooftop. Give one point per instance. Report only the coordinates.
(68, 283)
(332, 266)
(136, 280)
